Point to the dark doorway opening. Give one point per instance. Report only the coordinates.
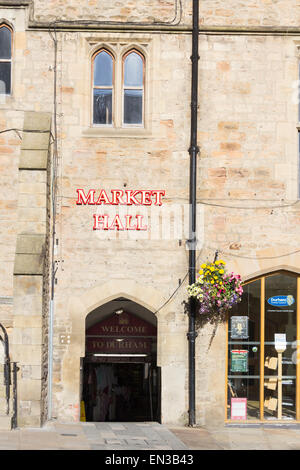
(121, 392)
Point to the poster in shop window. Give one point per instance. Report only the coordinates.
(239, 360)
(238, 408)
(239, 327)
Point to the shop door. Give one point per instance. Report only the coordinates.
(279, 347)
(263, 346)
(244, 347)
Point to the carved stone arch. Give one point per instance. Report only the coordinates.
(267, 261)
(5, 22)
(264, 272)
(81, 306)
(133, 47)
(102, 47)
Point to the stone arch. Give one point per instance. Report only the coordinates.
(274, 269)
(267, 261)
(78, 308)
(81, 306)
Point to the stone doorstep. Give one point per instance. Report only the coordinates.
(5, 423)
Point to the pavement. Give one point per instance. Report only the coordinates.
(92, 436)
(259, 437)
(149, 436)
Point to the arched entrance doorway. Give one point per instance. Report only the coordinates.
(263, 371)
(120, 380)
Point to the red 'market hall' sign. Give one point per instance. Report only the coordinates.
(116, 197)
(125, 333)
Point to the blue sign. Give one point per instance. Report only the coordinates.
(281, 300)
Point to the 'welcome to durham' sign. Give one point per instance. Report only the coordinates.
(125, 333)
(118, 197)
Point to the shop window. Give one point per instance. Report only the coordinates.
(133, 88)
(5, 59)
(262, 382)
(103, 87)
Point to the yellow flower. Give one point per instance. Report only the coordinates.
(221, 271)
(203, 265)
(201, 271)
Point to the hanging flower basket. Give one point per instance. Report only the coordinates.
(215, 289)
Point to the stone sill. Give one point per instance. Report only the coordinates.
(129, 132)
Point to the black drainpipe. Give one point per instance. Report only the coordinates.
(193, 151)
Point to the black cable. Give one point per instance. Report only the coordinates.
(252, 208)
(201, 201)
(256, 257)
(217, 252)
(177, 288)
(36, 131)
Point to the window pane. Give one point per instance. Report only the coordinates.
(103, 69)
(5, 77)
(133, 106)
(5, 43)
(133, 75)
(102, 106)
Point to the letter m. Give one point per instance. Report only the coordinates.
(83, 199)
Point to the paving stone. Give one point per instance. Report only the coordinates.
(136, 442)
(117, 427)
(113, 442)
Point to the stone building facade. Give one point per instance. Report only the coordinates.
(248, 183)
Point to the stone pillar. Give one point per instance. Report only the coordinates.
(29, 315)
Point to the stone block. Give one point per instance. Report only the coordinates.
(30, 304)
(28, 286)
(29, 421)
(30, 244)
(37, 121)
(26, 354)
(26, 264)
(35, 141)
(33, 159)
(28, 321)
(27, 336)
(5, 423)
(29, 389)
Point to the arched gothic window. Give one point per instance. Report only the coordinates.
(5, 59)
(103, 87)
(133, 88)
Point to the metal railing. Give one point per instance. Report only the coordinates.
(10, 370)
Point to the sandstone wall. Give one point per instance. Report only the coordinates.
(247, 169)
(264, 13)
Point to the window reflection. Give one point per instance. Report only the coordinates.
(5, 60)
(103, 69)
(133, 75)
(133, 89)
(103, 88)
